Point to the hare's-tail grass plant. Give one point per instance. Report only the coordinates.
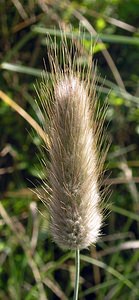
(73, 121)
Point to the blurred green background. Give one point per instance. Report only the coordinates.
(31, 266)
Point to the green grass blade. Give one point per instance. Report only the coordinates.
(20, 69)
(112, 271)
(109, 38)
(125, 213)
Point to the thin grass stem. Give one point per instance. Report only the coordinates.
(77, 266)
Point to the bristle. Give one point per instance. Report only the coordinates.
(75, 165)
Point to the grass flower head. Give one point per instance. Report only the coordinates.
(75, 130)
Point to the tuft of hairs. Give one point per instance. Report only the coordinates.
(73, 122)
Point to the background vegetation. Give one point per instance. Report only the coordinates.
(31, 266)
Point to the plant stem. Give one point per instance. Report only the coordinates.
(77, 265)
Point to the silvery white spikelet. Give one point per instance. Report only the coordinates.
(75, 138)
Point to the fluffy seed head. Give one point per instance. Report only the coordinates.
(75, 137)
